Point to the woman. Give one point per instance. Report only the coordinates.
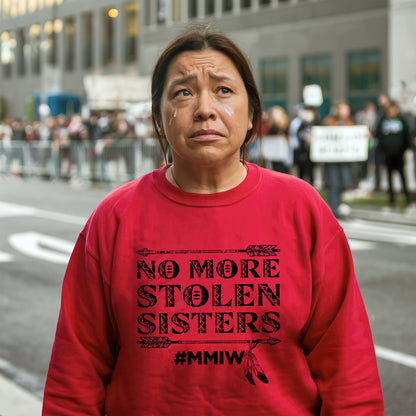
(395, 138)
(211, 286)
(338, 174)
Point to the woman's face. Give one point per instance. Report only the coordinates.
(204, 108)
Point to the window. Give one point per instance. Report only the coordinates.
(227, 5)
(22, 7)
(148, 13)
(131, 31)
(108, 38)
(34, 34)
(69, 32)
(192, 8)
(31, 5)
(209, 7)
(176, 10)
(274, 81)
(161, 11)
(317, 70)
(5, 8)
(51, 42)
(245, 4)
(20, 52)
(364, 77)
(264, 2)
(87, 40)
(8, 45)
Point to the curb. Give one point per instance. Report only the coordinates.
(385, 215)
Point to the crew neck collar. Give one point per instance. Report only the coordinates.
(228, 197)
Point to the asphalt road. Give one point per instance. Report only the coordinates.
(39, 222)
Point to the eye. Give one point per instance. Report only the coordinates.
(183, 93)
(224, 90)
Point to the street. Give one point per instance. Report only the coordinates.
(39, 224)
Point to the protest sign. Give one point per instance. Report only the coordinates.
(339, 144)
(275, 148)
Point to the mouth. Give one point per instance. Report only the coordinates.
(206, 135)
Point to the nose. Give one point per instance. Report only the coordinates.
(205, 107)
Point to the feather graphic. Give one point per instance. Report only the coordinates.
(252, 367)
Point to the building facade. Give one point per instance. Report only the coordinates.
(353, 49)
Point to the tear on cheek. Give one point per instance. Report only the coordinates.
(171, 118)
(228, 110)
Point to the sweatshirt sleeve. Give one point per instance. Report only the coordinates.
(84, 351)
(338, 342)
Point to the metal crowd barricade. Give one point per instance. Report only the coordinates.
(108, 161)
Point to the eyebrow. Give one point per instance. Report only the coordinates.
(190, 78)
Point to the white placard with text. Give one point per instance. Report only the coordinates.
(339, 144)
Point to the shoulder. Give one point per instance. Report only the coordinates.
(296, 200)
(125, 197)
(287, 184)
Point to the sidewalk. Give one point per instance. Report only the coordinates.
(16, 401)
(374, 207)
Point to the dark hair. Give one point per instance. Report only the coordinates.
(198, 39)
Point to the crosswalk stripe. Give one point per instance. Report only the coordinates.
(395, 356)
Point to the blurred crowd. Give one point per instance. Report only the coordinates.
(391, 142)
(391, 138)
(104, 136)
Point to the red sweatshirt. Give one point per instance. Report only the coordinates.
(238, 303)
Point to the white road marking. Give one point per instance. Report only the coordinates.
(5, 257)
(357, 245)
(379, 232)
(41, 246)
(14, 210)
(395, 356)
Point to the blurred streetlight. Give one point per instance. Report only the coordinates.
(113, 13)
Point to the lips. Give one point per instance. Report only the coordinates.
(206, 135)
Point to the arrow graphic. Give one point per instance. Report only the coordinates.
(166, 342)
(260, 250)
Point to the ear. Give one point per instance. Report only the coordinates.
(250, 119)
(160, 128)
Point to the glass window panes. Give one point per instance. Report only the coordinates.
(161, 11)
(176, 10)
(131, 31)
(364, 70)
(20, 52)
(34, 34)
(69, 34)
(317, 70)
(245, 4)
(51, 43)
(7, 53)
(87, 40)
(209, 7)
(364, 77)
(227, 5)
(274, 81)
(107, 38)
(192, 8)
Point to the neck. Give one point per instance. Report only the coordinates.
(206, 180)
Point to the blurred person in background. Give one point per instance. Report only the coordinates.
(368, 117)
(309, 117)
(394, 138)
(155, 319)
(379, 162)
(338, 175)
(278, 126)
